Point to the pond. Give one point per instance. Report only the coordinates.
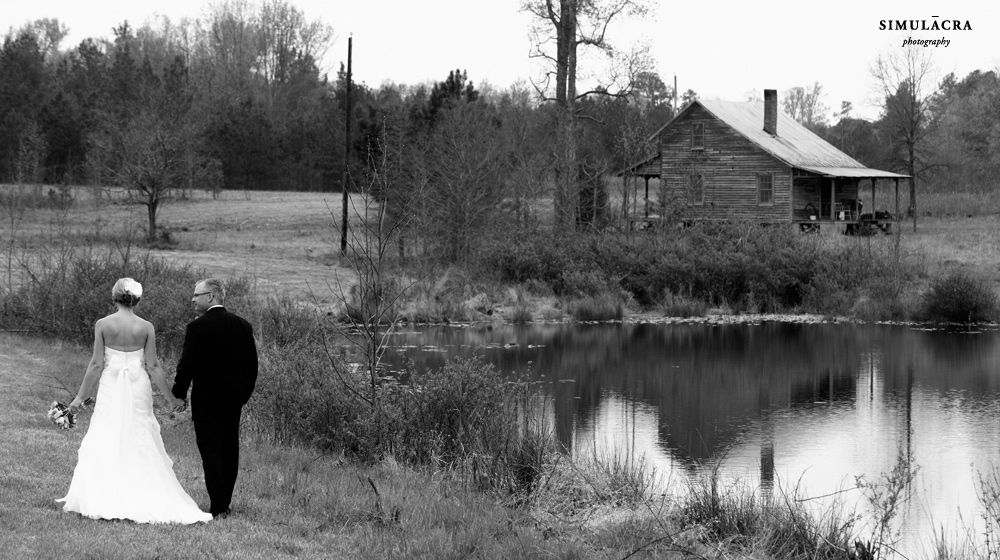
(773, 406)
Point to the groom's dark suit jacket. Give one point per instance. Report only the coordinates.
(219, 361)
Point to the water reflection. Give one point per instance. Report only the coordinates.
(776, 404)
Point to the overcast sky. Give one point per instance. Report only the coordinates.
(723, 50)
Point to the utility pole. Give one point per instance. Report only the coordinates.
(347, 149)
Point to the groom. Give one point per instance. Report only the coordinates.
(219, 361)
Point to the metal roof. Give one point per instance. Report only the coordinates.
(859, 172)
(793, 144)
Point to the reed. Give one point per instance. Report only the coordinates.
(605, 307)
(680, 305)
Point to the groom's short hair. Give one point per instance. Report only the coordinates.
(217, 288)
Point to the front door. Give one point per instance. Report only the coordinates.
(824, 197)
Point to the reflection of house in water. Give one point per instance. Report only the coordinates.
(705, 382)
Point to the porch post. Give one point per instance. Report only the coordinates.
(833, 199)
(896, 214)
(646, 177)
(635, 195)
(625, 199)
(873, 198)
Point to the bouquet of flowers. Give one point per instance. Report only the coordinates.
(61, 416)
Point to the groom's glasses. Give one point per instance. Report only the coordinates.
(196, 294)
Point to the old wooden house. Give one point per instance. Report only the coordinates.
(728, 160)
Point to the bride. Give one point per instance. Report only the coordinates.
(122, 469)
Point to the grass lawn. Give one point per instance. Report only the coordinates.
(289, 503)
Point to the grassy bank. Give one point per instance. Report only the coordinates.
(291, 502)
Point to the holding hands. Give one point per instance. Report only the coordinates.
(175, 404)
(75, 404)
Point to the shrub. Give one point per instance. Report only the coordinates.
(584, 283)
(520, 312)
(459, 408)
(676, 305)
(68, 291)
(754, 268)
(597, 308)
(378, 302)
(959, 297)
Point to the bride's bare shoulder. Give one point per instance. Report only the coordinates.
(145, 325)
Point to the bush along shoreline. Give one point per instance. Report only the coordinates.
(729, 269)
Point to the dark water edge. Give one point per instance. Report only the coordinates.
(778, 407)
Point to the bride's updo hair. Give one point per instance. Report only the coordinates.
(127, 292)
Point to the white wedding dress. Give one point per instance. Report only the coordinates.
(122, 470)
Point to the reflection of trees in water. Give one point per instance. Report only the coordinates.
(940, 361)
(708, 383)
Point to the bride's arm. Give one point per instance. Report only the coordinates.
(93, 370)
(154, 369)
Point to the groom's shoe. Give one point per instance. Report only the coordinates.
(221, 515)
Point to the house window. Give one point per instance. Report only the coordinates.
(765, 188)
(698, 136)
(696, 189)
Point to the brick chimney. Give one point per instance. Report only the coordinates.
(771, 111)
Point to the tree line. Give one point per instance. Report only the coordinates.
(945, 133)
(237, 100)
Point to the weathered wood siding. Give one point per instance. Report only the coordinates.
(729, 164)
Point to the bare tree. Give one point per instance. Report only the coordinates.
(907, 88)
(525, 137)
(49, 32)
(371, 301)
(570, 25)
(468, 162)
(284, 34)
(806, 106)
(146, 155)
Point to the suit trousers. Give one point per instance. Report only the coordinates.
(218, 437)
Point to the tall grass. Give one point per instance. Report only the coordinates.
(623, 478)
(605, 307)
(779, 526)
(679, 305)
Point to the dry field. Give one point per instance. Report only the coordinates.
(973, 242)
(289, 242)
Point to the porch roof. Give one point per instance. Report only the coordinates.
(647, 167)
(855, 172)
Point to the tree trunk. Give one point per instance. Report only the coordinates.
(566, 199)
(151, 206)
(913, 184)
